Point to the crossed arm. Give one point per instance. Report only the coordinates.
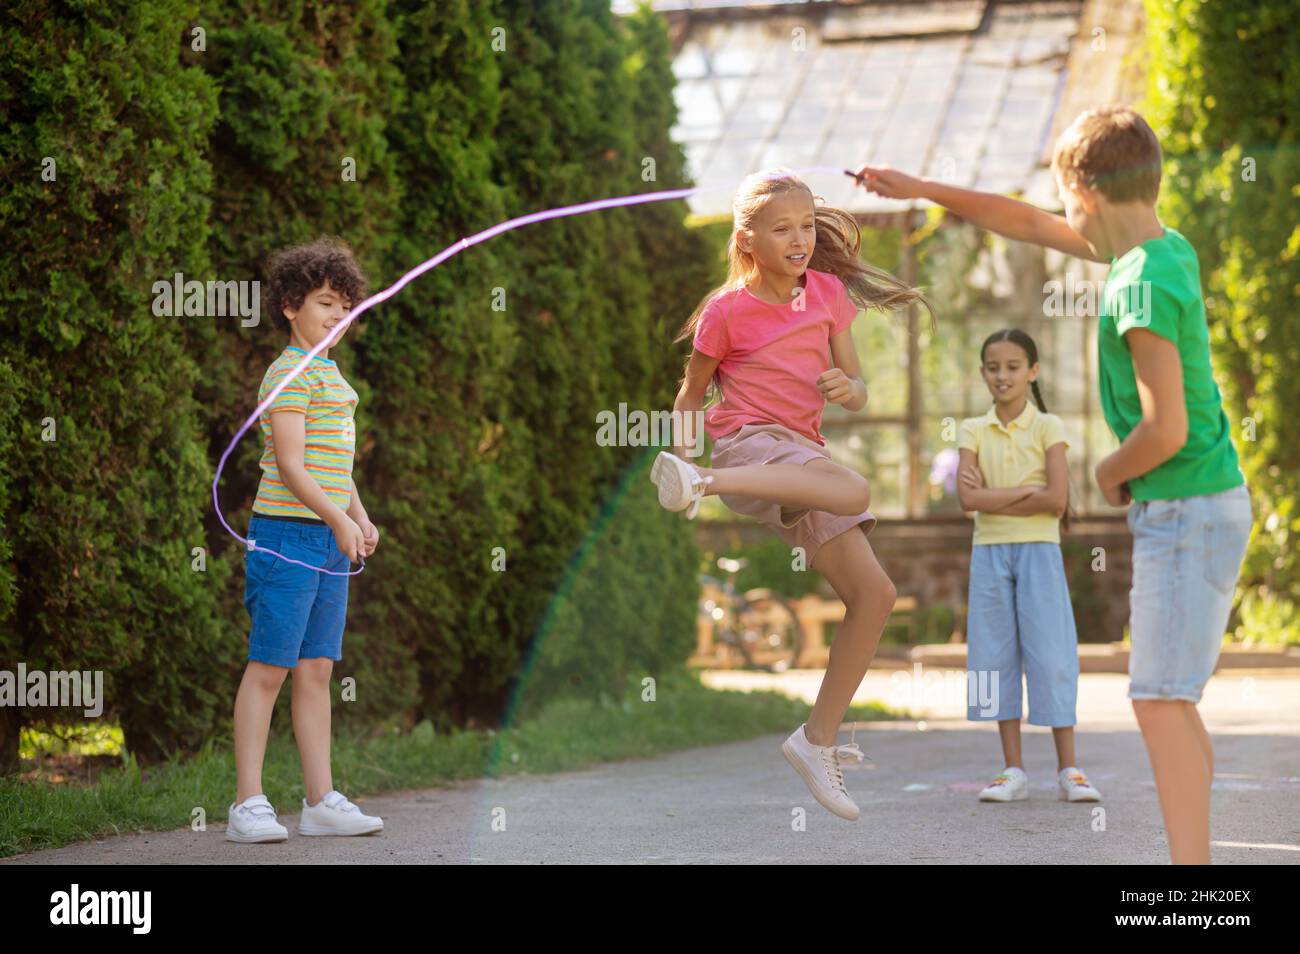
(1015, 501)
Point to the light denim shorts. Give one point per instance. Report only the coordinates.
(1187, 554)
(1019, 620)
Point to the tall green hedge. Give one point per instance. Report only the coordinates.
(443, 486)
(104, 457)
(1225, 102)
(307, 93)
(476, 426)
(626, 600)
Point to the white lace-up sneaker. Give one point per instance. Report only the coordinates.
(821, 767)
(1075, 787)
(335, 815)
(1010, 785)
(680, 485)
(253, 821)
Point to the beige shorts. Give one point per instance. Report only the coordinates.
(774, 444)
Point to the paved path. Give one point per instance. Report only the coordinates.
(738, 802)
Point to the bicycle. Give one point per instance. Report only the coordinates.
(758, 624)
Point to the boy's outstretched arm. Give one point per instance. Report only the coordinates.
(1008, 217)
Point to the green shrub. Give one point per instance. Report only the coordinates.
(1222, 99)
(771, 566)
(1268, 618)
(104, 474)
(476, 426)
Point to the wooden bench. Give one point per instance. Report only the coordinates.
(815, 612)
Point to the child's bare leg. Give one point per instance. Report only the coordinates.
(849, 563)
(311, 724)
(1064, 739)
(254, 704)
(1009, 731)
(819, 485)
(1194, 717)
(1182, 775)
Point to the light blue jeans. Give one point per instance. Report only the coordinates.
(1187, 554)
(1019, 619)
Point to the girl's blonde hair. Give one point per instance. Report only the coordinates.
(835, 251)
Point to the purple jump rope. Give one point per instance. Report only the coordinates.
(393, 289)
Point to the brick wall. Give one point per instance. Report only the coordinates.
(930, 560)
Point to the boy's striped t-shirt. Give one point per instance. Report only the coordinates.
(329, 405)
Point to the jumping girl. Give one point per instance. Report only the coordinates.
(794, 285)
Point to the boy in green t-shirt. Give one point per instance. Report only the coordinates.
(1191, 515)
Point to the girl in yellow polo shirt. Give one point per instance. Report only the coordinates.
(1013, 474)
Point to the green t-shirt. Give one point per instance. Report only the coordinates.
(1157, 286)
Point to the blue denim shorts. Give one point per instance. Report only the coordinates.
(1019, 619)
(296, 613)
(1187, 554)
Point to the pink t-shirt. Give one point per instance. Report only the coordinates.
(771, 355)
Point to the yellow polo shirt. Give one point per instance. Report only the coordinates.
(1012, 455)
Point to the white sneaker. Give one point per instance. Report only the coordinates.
(1012, 785)
(253, 821)
(335, 815)
(680, 485)
(820, 766)
(1075, 787)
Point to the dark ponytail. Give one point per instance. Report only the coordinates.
(1038, 397)
(1026, 344)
